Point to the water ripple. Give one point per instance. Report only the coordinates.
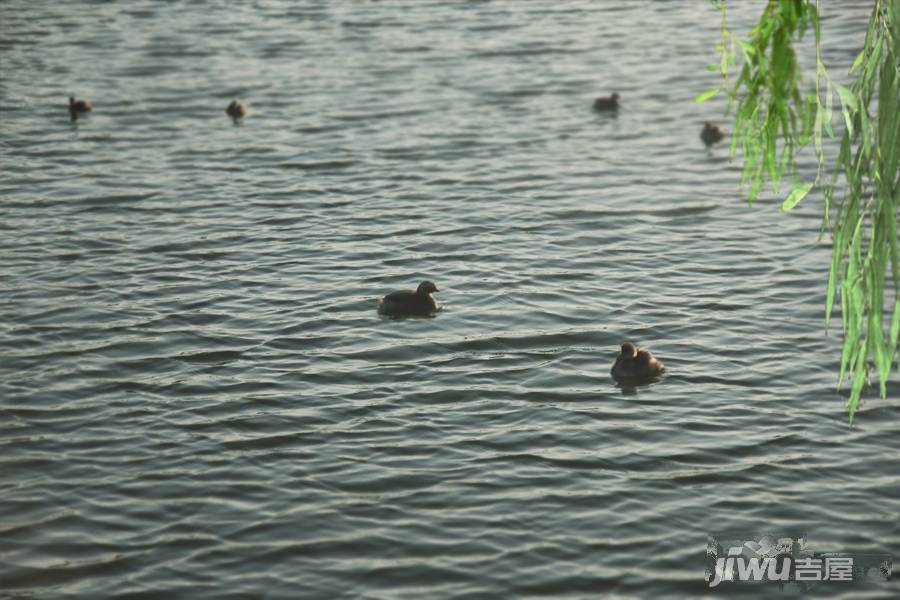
(200, 399)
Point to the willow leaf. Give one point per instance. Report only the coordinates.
(797, 194)
(848, 98)
(859, 58)
(704, 96)
(859, 378)
(895, 329)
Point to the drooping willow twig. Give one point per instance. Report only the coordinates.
(771, 109)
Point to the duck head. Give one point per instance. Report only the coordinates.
(425, 288)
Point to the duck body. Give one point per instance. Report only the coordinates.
(236, 110)
(607, 104)
(410, 303)
(711, 134)
(78, 107)
(635, 365)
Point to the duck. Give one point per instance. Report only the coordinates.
(236, 110)
(607, 104)
(634, 364)
(77, 107)
(418, 302)
(711, 134)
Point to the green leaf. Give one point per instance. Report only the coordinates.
(770, 162)
(848, 98)
(837, 251)
(856, 63)
(827, 123)
(826, 120)
(848, 122)
(849, 106)
(864, 128)
(895, 328)
(704, 96)
(817, 132)
(748, 50)
(859, 378)
(872, 64)
(797, 194)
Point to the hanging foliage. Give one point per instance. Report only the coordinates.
(772, 110)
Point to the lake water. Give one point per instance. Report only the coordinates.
(199, 399)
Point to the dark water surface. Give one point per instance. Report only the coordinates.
(198, 398)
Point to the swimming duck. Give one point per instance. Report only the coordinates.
(636, 364)
(418, 302)
(77, 107)
(607, 104)
(236, 110)
(711, 134)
